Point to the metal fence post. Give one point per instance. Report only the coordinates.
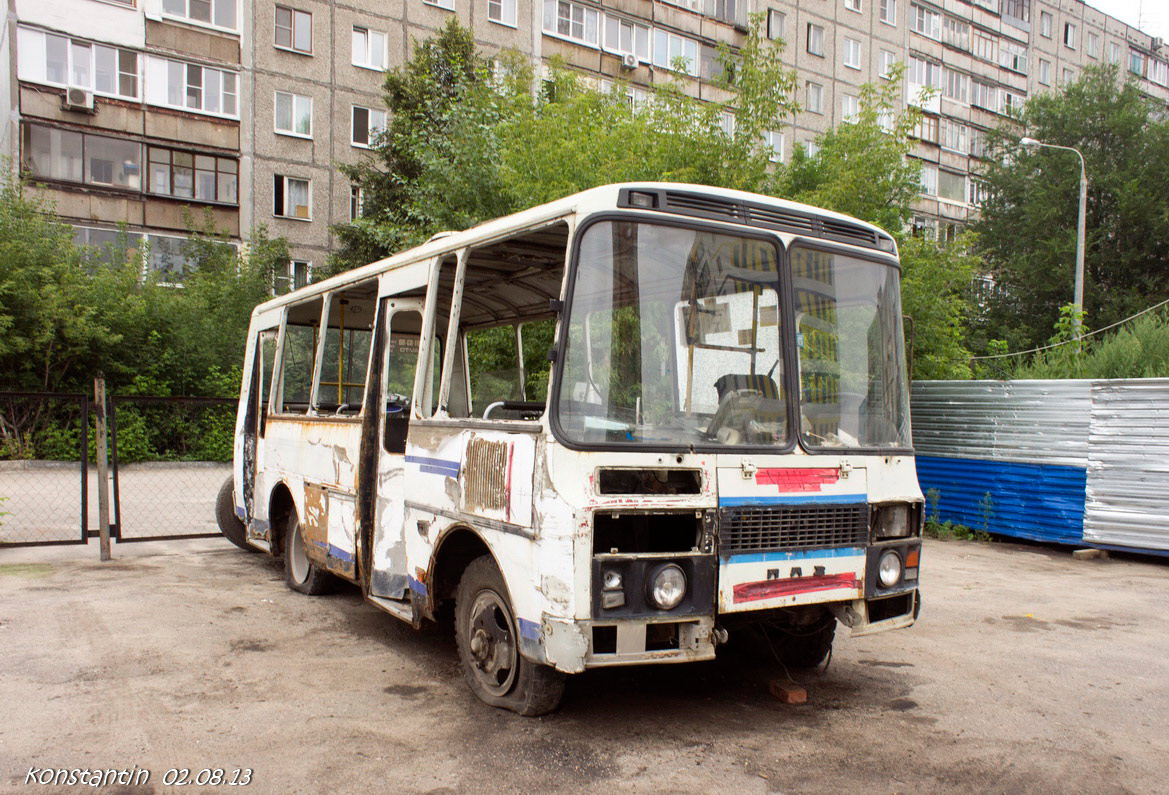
(103, 493)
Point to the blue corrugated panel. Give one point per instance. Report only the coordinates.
(1041, 502)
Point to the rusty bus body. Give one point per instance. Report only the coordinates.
(723, 446)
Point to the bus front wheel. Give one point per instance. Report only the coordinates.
(488, 640)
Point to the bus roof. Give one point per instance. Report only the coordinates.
(596, 199)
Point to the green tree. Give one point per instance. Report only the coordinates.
(1027, 232)
(471, 141)
(935, 295)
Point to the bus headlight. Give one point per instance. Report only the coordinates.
(889, 569)
(893, 521)
(667, 587)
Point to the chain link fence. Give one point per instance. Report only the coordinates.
(45, 477)
(168, 456)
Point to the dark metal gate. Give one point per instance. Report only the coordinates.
(168, 457)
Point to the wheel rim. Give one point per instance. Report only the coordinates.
(491, 643)
(298, 561)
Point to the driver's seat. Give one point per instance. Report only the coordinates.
(733, 382)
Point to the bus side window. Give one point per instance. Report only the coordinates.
(401, 364)
(345, 353)
(294, 380)
(267, 366)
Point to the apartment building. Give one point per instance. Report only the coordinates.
(137, 112)
(126, 116)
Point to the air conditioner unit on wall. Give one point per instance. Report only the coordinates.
(1158, 42)
(629, 60)
(79, 99)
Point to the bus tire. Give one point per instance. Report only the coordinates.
(300, 573)
(488, 641)
(229, 524)
(805, 647)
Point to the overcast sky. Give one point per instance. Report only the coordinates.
(1151, 16)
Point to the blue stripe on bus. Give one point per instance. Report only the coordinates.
(768, 557)
(529, 629)
(417, 587)
(793, 499)
(435, 466)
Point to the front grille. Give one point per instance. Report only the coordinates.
(762, 529)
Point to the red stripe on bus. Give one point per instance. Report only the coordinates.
(771, 589)
(797, 479)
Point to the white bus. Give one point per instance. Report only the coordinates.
(720, 446)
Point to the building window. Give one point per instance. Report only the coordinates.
(726, 121)
(295, 274)
(294, 29)
(956, 33)
(217, 13)
(1045, 24)
(356, 202)
(929, 179)
(369, 49)
(1019, 10)
(850, 108)
(50, 153)
(1069, 76)
(926, 129)
(572, 21)
(1013, 56)
(812, 148)
(294, 114)
(984, 95)
(815, 42)
(815, 98)
(957, 86)
(923, 73)
(889, 12)
(191, 87)
(853, 5)
(187, 175)
(986, 46)
(952, 186)
(1159, 72)
(954, 135)
(775, 24)
(623, 36)
(852, 53)
(926, 22)
(669, 47)
(888, 58)
(1113, 52)
(774, 143)
(1136, 63)
(368, 124)
(979, 192)
(1093, 45)
(1069, 35)
(292, 198)
(977, 142)
(448, 5)
(61, 61)
(501, 11)
(1010, 102)
(1045, 72)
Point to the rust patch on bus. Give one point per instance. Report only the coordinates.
(485, 473)
(315, 525)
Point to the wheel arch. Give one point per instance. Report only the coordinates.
(456, 548)
(280, 504)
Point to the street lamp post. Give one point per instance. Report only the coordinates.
(1078, 300)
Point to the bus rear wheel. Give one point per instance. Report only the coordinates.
(488, 640)
(229, 524)
(299, 572)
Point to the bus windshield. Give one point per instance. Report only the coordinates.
(676, 337)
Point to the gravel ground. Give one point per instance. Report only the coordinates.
(1027, 671)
